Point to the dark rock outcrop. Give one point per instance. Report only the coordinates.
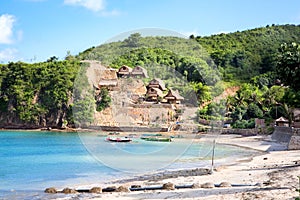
(168, 186)
(122, 189)
(95, 190)
(69, 191)
(50, 190)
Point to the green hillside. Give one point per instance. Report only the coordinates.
(108, 52)
(239, 56)
(40, 94)
(243, 55)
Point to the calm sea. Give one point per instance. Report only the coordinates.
(33, 161)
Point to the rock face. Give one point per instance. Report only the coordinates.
(96, 190)
(294, 143)
(51, 190)
(168, 186)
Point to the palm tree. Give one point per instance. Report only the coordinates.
(239, 99)
(288, 111)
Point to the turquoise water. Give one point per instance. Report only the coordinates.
(33, 161)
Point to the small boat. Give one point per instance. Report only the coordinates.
(118, 139)
(156, 139)
(151, 134)
(114, 133)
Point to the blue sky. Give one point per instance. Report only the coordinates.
(34, 30)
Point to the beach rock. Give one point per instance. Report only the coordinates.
(109, 189)
(208, 185)
(136, 186)
(196, 185)
(168, 186)
(225, 184)
(259, 185)
(95, 190)
(122, 189)
(51, 190)
(69, 191)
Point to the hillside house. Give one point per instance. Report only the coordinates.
(173, 97)
(108, 79)
(124, 71)
(153, 94)
(281, 121)
(157, 83)
(139, 71)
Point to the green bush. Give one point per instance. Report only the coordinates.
(244, 124)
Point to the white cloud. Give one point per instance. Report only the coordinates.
(6, 28)
(8, 54)
(94, 5)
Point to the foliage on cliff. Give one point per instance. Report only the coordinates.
(36, 93)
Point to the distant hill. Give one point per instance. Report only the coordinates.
(243, 55)
(108, 52)
(239, 56)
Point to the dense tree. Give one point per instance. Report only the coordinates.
(288, 65)
(36, 93)
(133, 40)
(243, 55)
(103, 100)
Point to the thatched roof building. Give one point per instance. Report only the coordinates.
(281, 121)
(157, 83)
(124, 71)
(139, 71)
(153, 94)
(173, 97)
(108, 79)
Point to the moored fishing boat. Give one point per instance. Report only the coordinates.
(156, 139)
(118, 139)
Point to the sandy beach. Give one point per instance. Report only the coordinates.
(271, 174)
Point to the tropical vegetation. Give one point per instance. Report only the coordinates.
(262, 62)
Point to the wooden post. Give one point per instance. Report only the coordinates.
(212, 157)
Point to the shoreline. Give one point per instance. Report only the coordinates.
(270, 174)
